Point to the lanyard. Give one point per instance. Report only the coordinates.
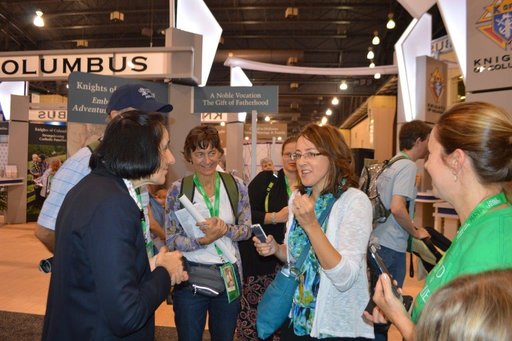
(214, 210)
(288, 189)
(480, 210)
(405, 155)
(135, 194)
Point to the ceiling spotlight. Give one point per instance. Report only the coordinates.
(328, 112)
(222, 124)
(376, 39)
(376, 76)
(38, 19)
(246, 138)
(343, 85)
(116, 16)
(372, 65)
(82, 43)
(391, 23)
(370, 54)
(324, 120)
(279, 138)
(267, 118)
(335, 101)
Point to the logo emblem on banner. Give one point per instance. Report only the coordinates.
(436, 84)
(496, 22)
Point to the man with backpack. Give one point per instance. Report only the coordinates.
(397, 189)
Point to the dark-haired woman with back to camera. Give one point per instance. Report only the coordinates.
(106, 282)
(269, 194)
(470, 163)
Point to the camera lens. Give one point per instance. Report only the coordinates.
(45, 265)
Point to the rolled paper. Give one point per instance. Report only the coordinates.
(189, 206)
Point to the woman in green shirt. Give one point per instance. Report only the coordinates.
(470, 163)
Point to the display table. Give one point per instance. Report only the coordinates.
(424, 213)
(11, 181)
(16, 187)
(446, 219)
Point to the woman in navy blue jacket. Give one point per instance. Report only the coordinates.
(106, 282)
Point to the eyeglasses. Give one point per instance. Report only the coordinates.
(306, 156)
(287, 155)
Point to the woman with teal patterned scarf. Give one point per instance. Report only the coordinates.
(333, 286)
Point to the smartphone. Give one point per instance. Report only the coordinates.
(259, 233)
(383, 269)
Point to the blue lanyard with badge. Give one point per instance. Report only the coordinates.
(227, 270)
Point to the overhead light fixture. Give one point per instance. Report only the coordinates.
(343, 85)
(116, 16)
(38, 19)
(370, 54)
(324, 120)
(372, 65)
(328, 112)
(222, 124)
(267, 118)
(294, 85)
(291, 13)
(279, 138)
(82, 43)
(292, 61)
(335, 101)
(246, 138)
(376, 76)
(391, 23)
(376, 39)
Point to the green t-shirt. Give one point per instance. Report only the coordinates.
(485, 245)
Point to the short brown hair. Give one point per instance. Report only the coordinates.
(330, 142)
(411, 131)
(201, 137)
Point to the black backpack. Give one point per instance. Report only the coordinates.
(188, 187)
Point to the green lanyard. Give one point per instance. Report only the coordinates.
(214, 210)
(480, 210)
(135, 194)
(288, 189)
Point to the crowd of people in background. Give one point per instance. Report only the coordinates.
(122, 238)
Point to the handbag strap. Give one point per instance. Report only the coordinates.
(321, 220)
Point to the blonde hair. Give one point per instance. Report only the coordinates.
(470, 308)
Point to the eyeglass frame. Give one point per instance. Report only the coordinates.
(307, 156)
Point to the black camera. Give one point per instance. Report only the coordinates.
(45, 265)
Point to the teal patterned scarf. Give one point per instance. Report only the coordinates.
(304, 300)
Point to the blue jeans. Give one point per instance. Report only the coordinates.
(395, 262)
(190, 315)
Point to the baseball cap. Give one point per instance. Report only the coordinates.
(136, 96)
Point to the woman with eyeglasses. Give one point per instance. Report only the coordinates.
(212, 243)
(333, 286)
(269, 194)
